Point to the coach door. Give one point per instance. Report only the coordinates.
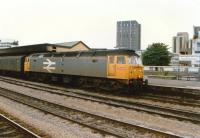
(111, 66)
(26, 64)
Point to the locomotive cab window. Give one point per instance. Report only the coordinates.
(121, 60)
(134, 60)
(111, 59)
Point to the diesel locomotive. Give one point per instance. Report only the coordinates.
(110, 69)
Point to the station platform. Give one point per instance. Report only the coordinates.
(175, 83)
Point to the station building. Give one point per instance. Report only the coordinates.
(45, 47)
(71, 46)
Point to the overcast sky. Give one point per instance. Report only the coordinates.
(94, 21)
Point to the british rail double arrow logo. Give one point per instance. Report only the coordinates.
(49, 64)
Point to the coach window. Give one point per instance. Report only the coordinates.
(121, 60)
(111, 59)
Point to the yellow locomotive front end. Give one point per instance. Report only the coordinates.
(136, 71)
(127, 69)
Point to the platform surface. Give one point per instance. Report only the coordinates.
(175, 83)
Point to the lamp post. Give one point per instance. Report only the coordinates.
(199, 67)
(178, 67)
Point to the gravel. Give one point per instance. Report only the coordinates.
(45, 123)
(122, 114)
(148, 101)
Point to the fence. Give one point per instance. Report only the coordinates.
(173, 72)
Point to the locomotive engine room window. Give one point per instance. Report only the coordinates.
(111, 60)
(40, 56)
(121, 60)
(94, 60)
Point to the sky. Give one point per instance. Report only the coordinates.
(94, 21)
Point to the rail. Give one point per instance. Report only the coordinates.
(14, 129)
(166, 112)
(98, 122)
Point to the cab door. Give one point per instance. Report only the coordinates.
(122, 68)
(111, 66)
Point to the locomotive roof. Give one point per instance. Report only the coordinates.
(103, 52)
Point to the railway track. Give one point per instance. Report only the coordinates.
(100, 123)
(183, 115)
(11, 129)
(148, 96)
(171, 99)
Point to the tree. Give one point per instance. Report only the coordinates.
(156, 54)
(15, 43)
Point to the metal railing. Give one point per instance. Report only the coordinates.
(175, 72)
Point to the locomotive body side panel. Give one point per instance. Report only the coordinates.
(91, 66)
(85, 66)
(45, 64)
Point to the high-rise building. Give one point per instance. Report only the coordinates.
(128, 35)
(196, 46)
(196, 32)
(181, 43)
